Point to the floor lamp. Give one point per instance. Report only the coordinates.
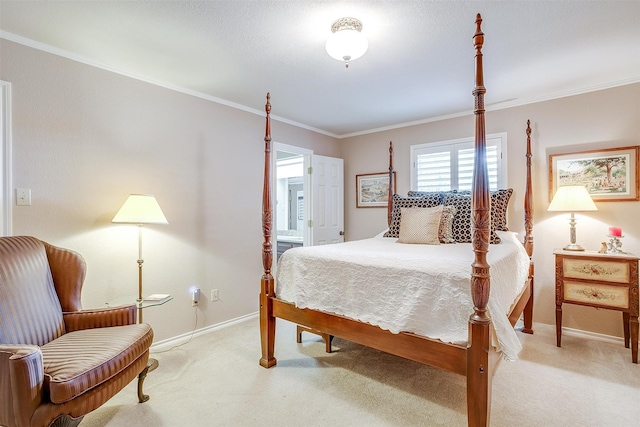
(140, 209)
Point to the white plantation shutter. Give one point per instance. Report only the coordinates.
(448, 165)
(434, 171)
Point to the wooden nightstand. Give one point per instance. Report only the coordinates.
(599, 280)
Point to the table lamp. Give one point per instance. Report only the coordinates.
(572, 198)
(140, 209)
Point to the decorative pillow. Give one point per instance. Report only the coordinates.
(420, 225)
(461, 227)
(407, 202)
(445, 232)
(499, 205)
(427, 194)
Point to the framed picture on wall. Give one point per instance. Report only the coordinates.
(610, 175)
(372, 189)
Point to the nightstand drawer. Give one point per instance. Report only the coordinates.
(602, 271)
(597, 294)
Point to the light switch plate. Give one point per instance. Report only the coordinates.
(23, 197)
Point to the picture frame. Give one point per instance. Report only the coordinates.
(372, 189)
(610, 175)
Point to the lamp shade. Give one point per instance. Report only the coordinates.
(347, 45)
(572, 198)
(140, 209)
(346, 42)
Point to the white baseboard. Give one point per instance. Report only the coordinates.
(180, 339)
(574, 332)
(591, 335)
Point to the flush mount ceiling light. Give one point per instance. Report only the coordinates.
(346, 43)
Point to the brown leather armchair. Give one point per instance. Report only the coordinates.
(57, 361)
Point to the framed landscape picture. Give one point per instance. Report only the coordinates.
(609, 174)
(372, 189)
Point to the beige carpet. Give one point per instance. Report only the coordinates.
(215, 380)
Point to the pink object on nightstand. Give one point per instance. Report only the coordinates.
(615, 231)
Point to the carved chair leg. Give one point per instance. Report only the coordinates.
(141, 376)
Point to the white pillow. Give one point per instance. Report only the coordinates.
(508, 236)
(420, 225)
(381, 234)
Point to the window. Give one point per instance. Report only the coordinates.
(448, 165)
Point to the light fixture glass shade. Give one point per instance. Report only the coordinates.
(572, 198)
(347, 45)
(140, 209)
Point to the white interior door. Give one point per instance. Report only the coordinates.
(327, 183)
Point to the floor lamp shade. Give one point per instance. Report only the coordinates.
(140, 209)
(572, 198)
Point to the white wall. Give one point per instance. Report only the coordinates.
(85, 138)
(606, 118)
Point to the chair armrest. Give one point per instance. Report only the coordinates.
(22, 393)
(100, 318)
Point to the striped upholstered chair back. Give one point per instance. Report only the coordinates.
(30, 311)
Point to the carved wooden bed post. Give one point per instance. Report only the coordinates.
(479, 371)
(478, 359)
(391, 183)
(528, 237)
(267, 320)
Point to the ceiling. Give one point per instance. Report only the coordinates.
(419, 66)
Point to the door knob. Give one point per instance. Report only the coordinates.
(342, 233)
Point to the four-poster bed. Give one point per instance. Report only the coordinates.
(476, 357)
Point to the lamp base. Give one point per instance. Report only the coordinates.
(573, 247)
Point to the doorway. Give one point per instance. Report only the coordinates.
(293, 197)
(309, 201)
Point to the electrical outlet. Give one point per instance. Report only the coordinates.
(214, 295)
(195, 297)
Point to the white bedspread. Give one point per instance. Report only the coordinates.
(423, 289)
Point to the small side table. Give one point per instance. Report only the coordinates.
(152, 364)
(151, 301)
(592, 279)
(147, 302)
